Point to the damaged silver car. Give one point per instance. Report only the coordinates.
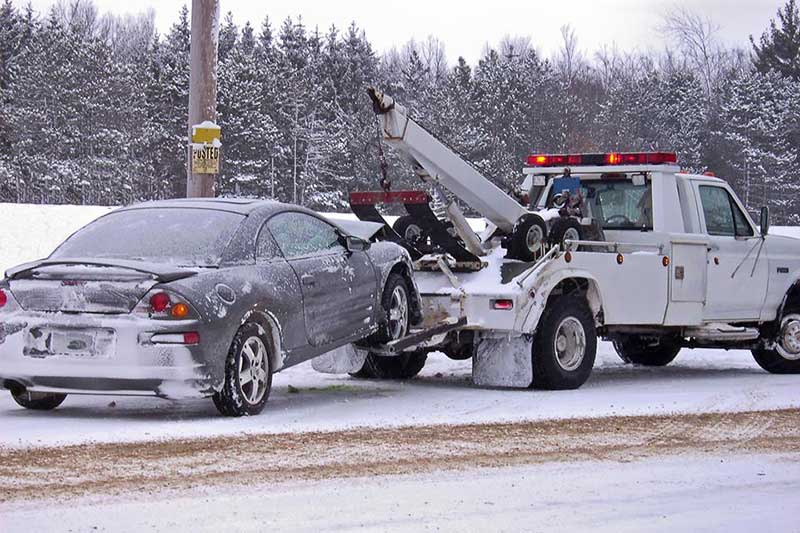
(187, 298)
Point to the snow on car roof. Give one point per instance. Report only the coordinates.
(243, 206)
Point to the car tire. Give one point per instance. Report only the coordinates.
(38, 401)
(565, 345)
(396, 303)
(248, 374)
(634, 349)
(528, 238)
(565, 228)
(403, 366)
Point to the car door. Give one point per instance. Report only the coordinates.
(338, 286)
(737, 263)
(279, 292)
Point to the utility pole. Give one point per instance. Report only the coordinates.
(202, 86)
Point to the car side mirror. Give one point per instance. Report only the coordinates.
(356, 244)
(764, 221)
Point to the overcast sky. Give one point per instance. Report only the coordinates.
(465, 27)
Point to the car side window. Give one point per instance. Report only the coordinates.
(266, 248)
(299, 234)
(723, 217)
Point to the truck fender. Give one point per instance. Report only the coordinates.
(543, 288)
(790, 291)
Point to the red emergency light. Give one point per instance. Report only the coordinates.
(609, 159)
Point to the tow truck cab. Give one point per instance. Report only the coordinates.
(714, 263)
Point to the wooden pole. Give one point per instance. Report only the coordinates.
(202, 85)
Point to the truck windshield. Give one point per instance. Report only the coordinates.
(176, 236)
(617, 204)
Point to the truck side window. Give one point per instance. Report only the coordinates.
(723, 216)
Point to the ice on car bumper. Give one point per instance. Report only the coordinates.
(84, 354)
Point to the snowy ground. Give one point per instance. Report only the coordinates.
(701, 491)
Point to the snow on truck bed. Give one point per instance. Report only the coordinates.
(303, 400)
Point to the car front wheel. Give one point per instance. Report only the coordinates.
(248, 374)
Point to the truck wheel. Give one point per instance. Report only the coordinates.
(656, 352)
(38, 401)
(565, 229)
(785, 357)
(565, 345)
(248, 374)
(403, 366)
(408, 229)
(528, 238)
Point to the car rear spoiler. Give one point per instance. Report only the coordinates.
(162, 273)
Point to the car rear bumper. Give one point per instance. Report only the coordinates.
(130, 363)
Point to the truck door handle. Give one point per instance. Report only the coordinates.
(308, 280)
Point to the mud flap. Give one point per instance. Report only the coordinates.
(503, 362)
(342, 360)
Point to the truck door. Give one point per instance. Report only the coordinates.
(338, 287)
(737, 265)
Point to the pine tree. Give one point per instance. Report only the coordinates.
(779, 46)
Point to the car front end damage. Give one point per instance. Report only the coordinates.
(120, 335)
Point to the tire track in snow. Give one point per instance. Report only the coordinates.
(107, 469)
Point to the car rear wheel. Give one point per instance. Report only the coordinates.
(565, 345)
(248, 374)
(38, 401)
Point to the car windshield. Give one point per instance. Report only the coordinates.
(176, 236)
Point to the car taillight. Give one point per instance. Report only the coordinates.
(163, 304)
(159, 302)
(3, 298)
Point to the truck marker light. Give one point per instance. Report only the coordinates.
(620, 259)
(716, 261)
(665, 261)
(568, 256)
(503, 305)
(3, 298)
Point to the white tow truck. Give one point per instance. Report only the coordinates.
(646, 256)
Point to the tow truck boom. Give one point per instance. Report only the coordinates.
(437, 163)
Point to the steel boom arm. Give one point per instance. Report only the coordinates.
(442, 165)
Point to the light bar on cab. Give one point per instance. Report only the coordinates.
(613, 158)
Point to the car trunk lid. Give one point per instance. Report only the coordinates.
(82, 288)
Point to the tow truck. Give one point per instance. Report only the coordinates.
(652, 259)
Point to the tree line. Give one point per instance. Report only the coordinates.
(95, 106)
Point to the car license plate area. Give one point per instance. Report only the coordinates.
(82, 343)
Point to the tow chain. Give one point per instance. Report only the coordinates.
(386, 184)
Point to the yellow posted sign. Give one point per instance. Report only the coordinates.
(206, 148)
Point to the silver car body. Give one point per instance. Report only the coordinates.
(81, 325)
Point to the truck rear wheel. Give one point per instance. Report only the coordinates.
(403, 366)
(565, 345)
(38, 401)
(647, 352)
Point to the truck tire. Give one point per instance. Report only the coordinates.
(565, 228)
(565, 345)
(408, 229)
(248, 374)
(38, 401)
(636, 350)
(403, 366)
(785, 357)
(528, 238)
